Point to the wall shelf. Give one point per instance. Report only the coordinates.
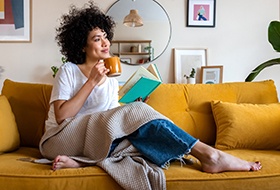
(132, 49)
(132, 53)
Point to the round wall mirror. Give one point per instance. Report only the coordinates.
(140, 44)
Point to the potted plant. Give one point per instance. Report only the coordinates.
(191, 78)
(55, 68)
(150, 50)
(274, 39)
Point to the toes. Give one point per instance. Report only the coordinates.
(256, 166)
(259, 165)
(54, 166)
(55, 162)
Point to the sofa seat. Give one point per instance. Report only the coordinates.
(190, 176)
(41, 177)
(178, 176)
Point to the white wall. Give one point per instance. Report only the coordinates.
(238, 42)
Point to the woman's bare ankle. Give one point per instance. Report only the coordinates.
(214, 161)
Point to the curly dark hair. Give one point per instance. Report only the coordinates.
(75, 26)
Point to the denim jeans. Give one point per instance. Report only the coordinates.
(160, 141)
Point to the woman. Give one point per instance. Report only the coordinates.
(82, 89)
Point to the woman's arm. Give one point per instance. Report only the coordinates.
(69, 108)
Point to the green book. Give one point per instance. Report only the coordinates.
(141, 84)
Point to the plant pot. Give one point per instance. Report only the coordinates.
(190, 80)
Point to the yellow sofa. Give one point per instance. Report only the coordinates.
(241, 118)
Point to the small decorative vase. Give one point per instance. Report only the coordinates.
(133, 49)
(190, 80)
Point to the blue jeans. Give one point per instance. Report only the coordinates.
(160, 141)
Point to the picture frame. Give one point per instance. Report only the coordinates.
(126, 60)
(15, 20)
(212, 74)
(187, 58)
(201, 13)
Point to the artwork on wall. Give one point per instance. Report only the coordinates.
(15, 20)
(211, 74)
(201, 13)
(185, 60)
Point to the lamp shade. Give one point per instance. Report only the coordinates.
(133, 19)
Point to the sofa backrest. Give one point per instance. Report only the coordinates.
(189, 106)
(30, 105)
(186, 104)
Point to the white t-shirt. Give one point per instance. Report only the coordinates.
(69, 80)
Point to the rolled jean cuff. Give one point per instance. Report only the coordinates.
(161, 141)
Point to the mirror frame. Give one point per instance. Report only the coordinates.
(167, 42)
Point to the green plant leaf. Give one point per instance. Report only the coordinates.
(63, 60)
(259, 68)
(274, 35)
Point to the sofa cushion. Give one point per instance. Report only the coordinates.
(30, 105)
(9, 136)
(247, 126)
(189, 106)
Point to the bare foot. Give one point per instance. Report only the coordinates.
(221, 161)
(214, 161)
(65, 162)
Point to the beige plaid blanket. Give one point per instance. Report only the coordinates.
(88, 139)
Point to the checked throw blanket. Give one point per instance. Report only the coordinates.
(88, 139)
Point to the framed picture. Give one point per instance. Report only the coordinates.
(126, 60)
(185, 60)
(15, 20)
(211, 74)
(201, 13)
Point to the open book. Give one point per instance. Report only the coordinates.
(141, 84)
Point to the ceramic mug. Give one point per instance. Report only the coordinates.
(114, 65)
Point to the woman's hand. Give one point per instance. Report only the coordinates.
(98, 72)
(141, 100)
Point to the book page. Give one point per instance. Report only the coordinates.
(134, 78)
(154, 70)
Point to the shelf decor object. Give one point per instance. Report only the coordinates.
(126, 60)
(211, 74)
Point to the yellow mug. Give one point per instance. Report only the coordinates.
(114, 65)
